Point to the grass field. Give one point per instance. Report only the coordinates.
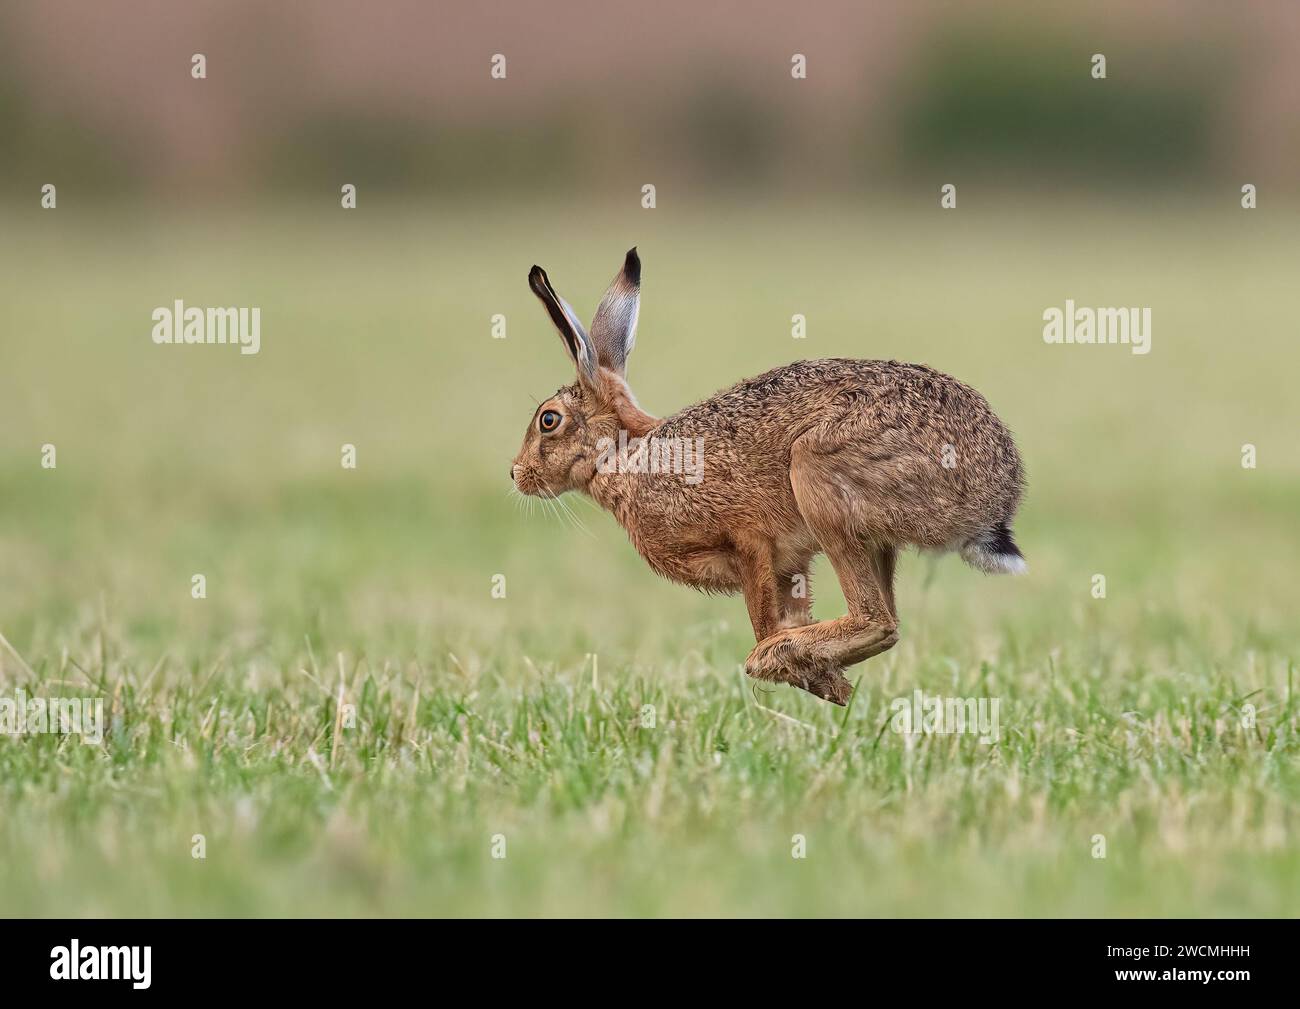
(477, 717)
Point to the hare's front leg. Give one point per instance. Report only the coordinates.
(794, 597)
(779, 607)
(759, 584)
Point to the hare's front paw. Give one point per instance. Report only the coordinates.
(775, 656)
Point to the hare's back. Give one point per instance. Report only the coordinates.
(902, 425)
(864, 393)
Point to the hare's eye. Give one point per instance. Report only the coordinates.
(548, 421)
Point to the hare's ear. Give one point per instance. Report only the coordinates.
(576, 340)
(613, 330)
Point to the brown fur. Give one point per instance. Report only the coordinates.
(842, 457)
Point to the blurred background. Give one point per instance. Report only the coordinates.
(601, 96)
(775, 196)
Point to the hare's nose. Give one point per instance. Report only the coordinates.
(512, 472)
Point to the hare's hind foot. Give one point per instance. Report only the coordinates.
(830, 685)
(777, 665)
(813, 657)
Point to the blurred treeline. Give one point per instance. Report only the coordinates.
(398, 96)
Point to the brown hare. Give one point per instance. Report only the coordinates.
(853, 459)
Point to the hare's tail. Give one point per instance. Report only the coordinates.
(994, 552)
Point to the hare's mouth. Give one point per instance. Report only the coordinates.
(532, 485)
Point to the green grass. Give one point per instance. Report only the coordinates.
(477, 716)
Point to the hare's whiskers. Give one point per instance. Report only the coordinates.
(574, 518)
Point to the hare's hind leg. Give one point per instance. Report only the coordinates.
(813, 657)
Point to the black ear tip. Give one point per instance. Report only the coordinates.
(632, 266)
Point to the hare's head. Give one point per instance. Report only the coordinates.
(570, 432)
